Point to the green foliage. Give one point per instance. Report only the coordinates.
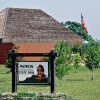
(26, 94)
(77, 60)
(76, 48)
(62, 70)
(35, 96)
(92, 55)
(76, 28)
(70, 98)
(62, 61)
(9, 62)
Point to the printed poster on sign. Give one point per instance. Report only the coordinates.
(33, 72)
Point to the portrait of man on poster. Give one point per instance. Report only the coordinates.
(40, 77)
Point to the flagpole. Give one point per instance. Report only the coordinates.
(83, 28)
(81, 36)
(81, 41)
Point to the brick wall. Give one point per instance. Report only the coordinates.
(4, 48)
(34, 48)
(25, 48)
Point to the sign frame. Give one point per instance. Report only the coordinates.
(51, 56)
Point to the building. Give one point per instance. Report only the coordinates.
(31, 30)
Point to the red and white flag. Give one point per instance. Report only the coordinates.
(83, 24)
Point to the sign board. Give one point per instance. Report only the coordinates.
(29, 72)
(36, 72)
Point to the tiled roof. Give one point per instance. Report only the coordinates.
(32, 25)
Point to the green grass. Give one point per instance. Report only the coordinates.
(78, 84)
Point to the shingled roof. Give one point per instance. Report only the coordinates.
(32, 25)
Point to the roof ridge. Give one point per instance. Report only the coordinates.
(3, 10)
(23, 8)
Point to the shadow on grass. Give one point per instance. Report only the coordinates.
(3, 80)
(74, 79)
(6, 72)
(3, 73)
(97, 75)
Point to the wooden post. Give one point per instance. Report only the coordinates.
(52, 57)
(13, 56)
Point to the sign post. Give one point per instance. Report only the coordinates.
(52, 58)
(14, 88)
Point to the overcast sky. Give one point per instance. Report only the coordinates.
(64, 10)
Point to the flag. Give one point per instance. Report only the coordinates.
(83, 24)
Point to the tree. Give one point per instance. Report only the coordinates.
(9, 59)
(92, 56)
(62, 60)
(77, 60)
(77, 29)
(76, 48)
(9, 63)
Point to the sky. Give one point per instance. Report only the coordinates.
(64, 10)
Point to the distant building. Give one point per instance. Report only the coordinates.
(31, 30)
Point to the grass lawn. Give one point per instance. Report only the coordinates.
(78, 84)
